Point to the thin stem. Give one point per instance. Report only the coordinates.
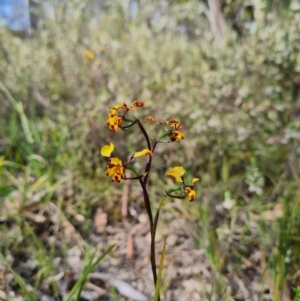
(143, 182)
(147, 202)
(149, 163)
(144, 133)
(152, 247)
(129, 125)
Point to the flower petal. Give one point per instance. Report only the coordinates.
(115, 169)
(106, 150)
(172, 121)
(114, 122)
(120, 106)
(113, 112)
(195, 180)
(191, 193)
(119, 174)
(151, 119)
(117, 178)
(176, 173)
(137, 104)
(114, 162)
(174, 125)
(111, 170)
(144, 152)
(178, 169)
(176, 136)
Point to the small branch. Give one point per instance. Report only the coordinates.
(124, 128)
(143, 182)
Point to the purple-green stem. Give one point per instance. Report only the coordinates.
(153, 223)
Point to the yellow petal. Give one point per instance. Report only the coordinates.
(117, 178)
(176, 136)
(119, 174)
(114, 122)
(144, 152)
(190, 193)
(195, 180)
(176, 173)
(120, 106)
(178, 169)
(114, 162)
(113, 112)
(111, 171)
(106, 150)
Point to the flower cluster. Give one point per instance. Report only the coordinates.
(177, 173)
(116, 168)
(174, 131)
(115, 119)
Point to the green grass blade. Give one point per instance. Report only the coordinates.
(20, 281)
(84, 276)
(19, 109)
(160, 270)
(162, 202)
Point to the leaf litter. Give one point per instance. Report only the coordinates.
(189, 271)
